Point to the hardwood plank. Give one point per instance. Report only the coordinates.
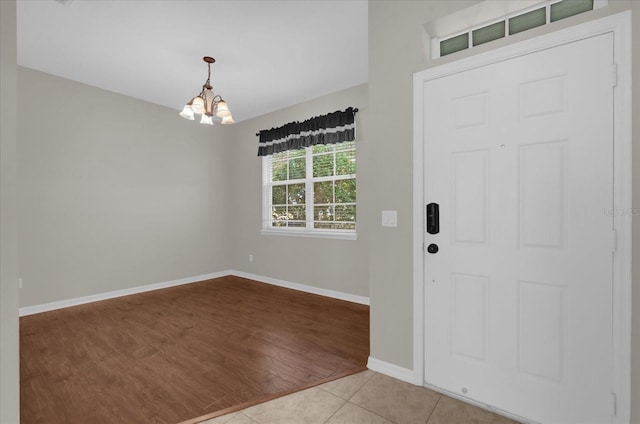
(176, 354)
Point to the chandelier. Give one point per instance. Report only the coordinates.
(207, 103)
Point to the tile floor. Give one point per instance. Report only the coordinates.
(364, 398)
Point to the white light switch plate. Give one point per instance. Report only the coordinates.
(389, 218)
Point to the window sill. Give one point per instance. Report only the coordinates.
(338, 235)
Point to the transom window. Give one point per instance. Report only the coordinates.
(447, 37)
(311, 191)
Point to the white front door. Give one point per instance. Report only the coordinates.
(518, 296)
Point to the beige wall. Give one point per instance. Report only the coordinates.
(340, 265)
(396, 51)
(9, 360)
(114, 192)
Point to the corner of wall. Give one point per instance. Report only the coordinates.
(9, 342)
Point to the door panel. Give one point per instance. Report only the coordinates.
(469, 316)
(470, 214)
(518, 306)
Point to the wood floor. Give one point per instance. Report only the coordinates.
(175, 354)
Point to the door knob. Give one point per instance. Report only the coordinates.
(432, 248)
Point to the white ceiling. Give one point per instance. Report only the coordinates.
(269, 54)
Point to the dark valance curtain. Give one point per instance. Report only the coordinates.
(332, 128)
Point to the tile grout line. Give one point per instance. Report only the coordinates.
(336, 411)
(362, 385)
(348, 401)
(360, 406)
(434, 409)
(392, 421)
(242, 413)
(354, 393)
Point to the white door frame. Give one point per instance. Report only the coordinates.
(620, 25)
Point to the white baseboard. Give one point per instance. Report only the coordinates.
(304, 288)
(392, 370)
(408, 376)
(36, 309)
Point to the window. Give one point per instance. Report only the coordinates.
(311, 191)
(516, 20)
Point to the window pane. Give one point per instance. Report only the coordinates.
(323, 165)
(345, 213)
(454, 44)
(295, 194)
(279, 195)
(488, 33)
(278, 171)
(324, 225)
(322, 148)
(323, 192)
(567, 8)
(280, 156)
(335, 225)
(296, 153)
(346, 163)
(346, 191)
(347, 145)
(297, 168)
(527, 21)
(323, 213)
(279, 213)
(297, 213)
(296, 224)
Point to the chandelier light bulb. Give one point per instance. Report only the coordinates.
(222, 109)
(207, 119)
(198, 104)
(227, 120)
(187, 112)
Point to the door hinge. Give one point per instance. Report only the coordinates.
(614, 401)
(614, 75)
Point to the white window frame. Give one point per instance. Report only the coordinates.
(309, 180)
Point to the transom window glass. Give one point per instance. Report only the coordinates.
(538, 13)
(311, 189)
